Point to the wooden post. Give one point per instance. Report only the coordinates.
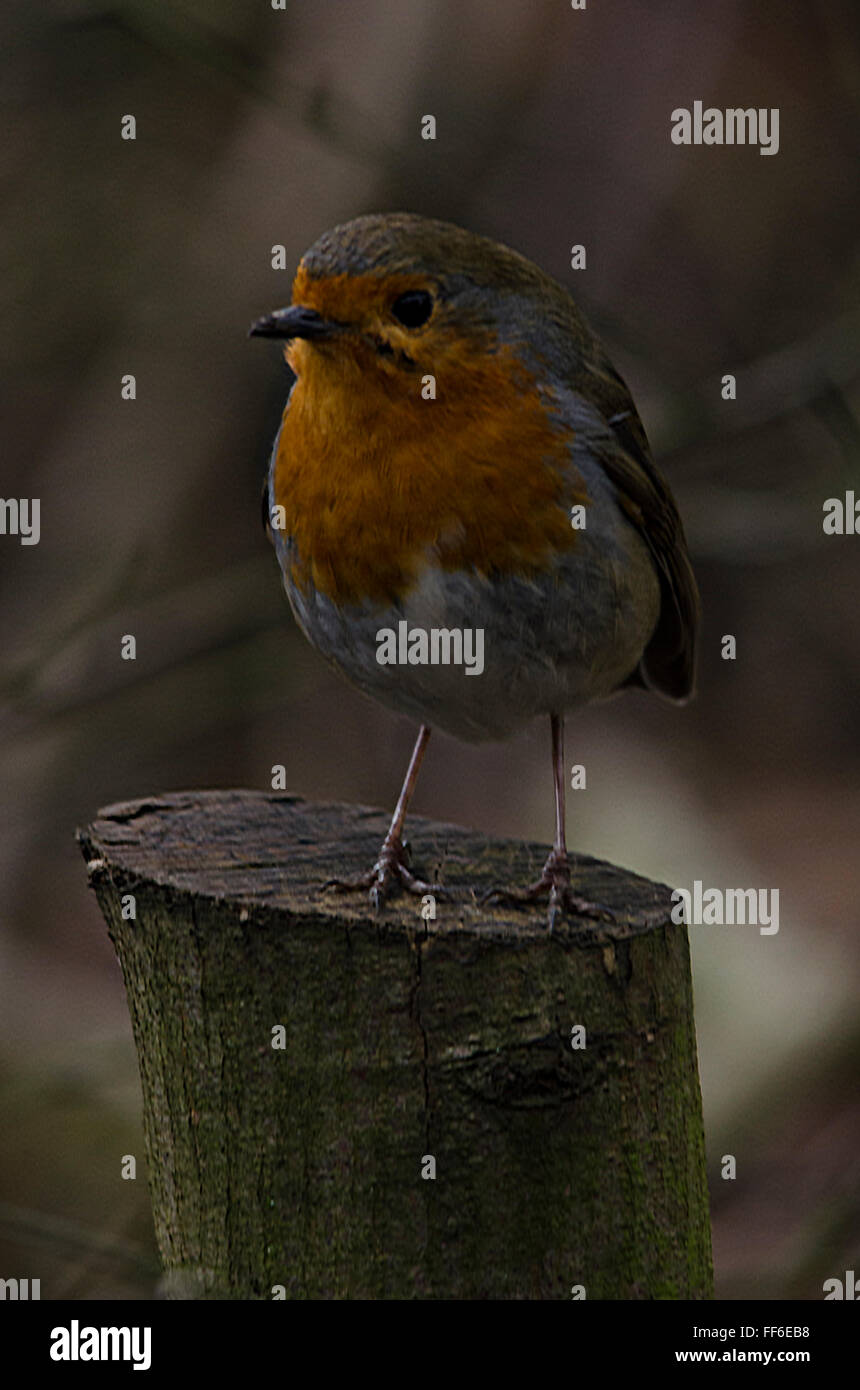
(408, 1045)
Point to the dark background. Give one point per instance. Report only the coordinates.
(258, 127)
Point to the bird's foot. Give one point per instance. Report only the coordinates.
(553, 884)
(390, 873)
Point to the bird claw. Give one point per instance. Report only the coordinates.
(388, 873)
(554, 884)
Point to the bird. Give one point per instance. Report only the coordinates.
(467, 516)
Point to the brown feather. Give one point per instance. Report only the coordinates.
(668, 663)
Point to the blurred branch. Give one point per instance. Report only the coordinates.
(40, 1228)
(217, 611)
(186, 39)
(87, 608)
(807, 374)
(343, 124)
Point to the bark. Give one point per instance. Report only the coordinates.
(405, 1039)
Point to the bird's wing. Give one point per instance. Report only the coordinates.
(264, 505)
(668, 662)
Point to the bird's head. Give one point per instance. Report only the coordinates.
(408, 294)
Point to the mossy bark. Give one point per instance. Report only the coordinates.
(302, 1166)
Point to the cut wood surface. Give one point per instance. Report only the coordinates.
(409, 1046)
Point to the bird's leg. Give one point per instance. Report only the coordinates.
(554, 882)
(392, 865)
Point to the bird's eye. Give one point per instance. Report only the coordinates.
(413, 308)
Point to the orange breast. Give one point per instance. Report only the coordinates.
(375, 481)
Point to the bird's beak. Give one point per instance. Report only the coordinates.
(294, 322)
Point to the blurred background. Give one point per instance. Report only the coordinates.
(152, 257)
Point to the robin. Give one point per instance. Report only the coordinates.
(466, 513)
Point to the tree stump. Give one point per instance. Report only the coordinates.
(408, 1046)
